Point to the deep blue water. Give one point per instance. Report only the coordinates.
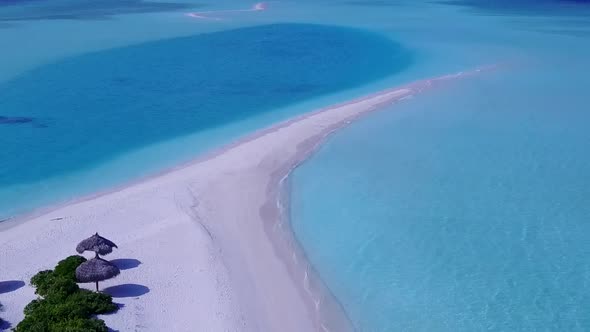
(78, 112)
(575, 12)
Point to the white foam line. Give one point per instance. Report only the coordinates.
(260, 6)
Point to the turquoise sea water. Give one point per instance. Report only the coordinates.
(73, 114)
(463, 209)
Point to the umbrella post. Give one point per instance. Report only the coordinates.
(97, 286)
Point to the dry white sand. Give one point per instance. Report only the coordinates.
(214, 252)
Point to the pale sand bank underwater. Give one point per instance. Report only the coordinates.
(215, 252)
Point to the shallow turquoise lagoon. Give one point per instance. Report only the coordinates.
(465, 208)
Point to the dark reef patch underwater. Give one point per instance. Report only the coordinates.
(98, 106)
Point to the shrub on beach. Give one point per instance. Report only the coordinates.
(67, 267)
(73, 313)
(70, 325)
(63, 306)
(94, 303)
(62, 279)
(82, 325)
(43, 281)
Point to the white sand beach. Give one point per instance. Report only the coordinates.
(213, 252)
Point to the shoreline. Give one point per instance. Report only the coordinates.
(12, 221)
(226, 213)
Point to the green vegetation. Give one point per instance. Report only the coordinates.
(67, 267)
(62, 305)
(65, 271)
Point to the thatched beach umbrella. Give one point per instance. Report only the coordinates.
(96, 243)
(95, 270)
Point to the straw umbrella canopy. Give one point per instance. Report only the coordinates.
(96, 243)
(95, 270)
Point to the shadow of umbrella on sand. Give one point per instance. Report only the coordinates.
(126, 263)
(10, 285)
(95, 270)
(126, 290)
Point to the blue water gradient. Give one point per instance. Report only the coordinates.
(464, 209)
(89, 109)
